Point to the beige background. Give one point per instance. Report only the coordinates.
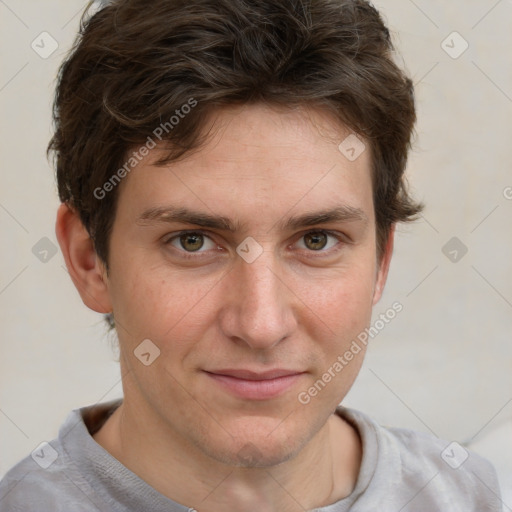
(444, 364)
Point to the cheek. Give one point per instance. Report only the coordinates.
(158, 304)
(342, 310)
(341, 301)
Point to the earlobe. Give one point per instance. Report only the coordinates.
(84, 266)
(383, 270)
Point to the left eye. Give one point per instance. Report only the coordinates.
(318, 240)
(191, 242)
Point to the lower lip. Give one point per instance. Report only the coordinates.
(256, 389)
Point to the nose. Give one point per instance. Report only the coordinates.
(259, 307)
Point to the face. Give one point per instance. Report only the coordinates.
(251, 266)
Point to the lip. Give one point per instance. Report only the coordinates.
(252, 385)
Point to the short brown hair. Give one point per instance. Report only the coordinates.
(136, 63)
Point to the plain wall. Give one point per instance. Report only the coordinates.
(443, 365)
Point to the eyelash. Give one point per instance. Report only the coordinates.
(190, 255)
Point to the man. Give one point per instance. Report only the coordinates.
(231, 173)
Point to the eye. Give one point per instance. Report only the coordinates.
(191, 242)
(318, 241)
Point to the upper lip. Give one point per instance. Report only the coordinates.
(252, 375)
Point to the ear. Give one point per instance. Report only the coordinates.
(382, 273)
(84, 266)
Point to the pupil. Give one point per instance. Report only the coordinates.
(192, 242)
(316, 241)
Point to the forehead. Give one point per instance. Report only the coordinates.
(259, 159)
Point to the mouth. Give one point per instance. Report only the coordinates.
(251, 385)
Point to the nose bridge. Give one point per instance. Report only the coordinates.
(261, 283)
(260, 312)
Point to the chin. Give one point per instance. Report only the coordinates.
(252, 454)
(263, 444)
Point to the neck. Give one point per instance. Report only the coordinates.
(324, 472)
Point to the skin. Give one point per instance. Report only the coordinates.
(298, 306)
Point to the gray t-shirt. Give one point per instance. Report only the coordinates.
(401, 470)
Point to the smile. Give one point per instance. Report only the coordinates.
(255, 386)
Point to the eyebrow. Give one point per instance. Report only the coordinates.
(343, 213)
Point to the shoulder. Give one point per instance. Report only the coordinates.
(428, 470)
(29, 487)
(453, 463)
(48, 479)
